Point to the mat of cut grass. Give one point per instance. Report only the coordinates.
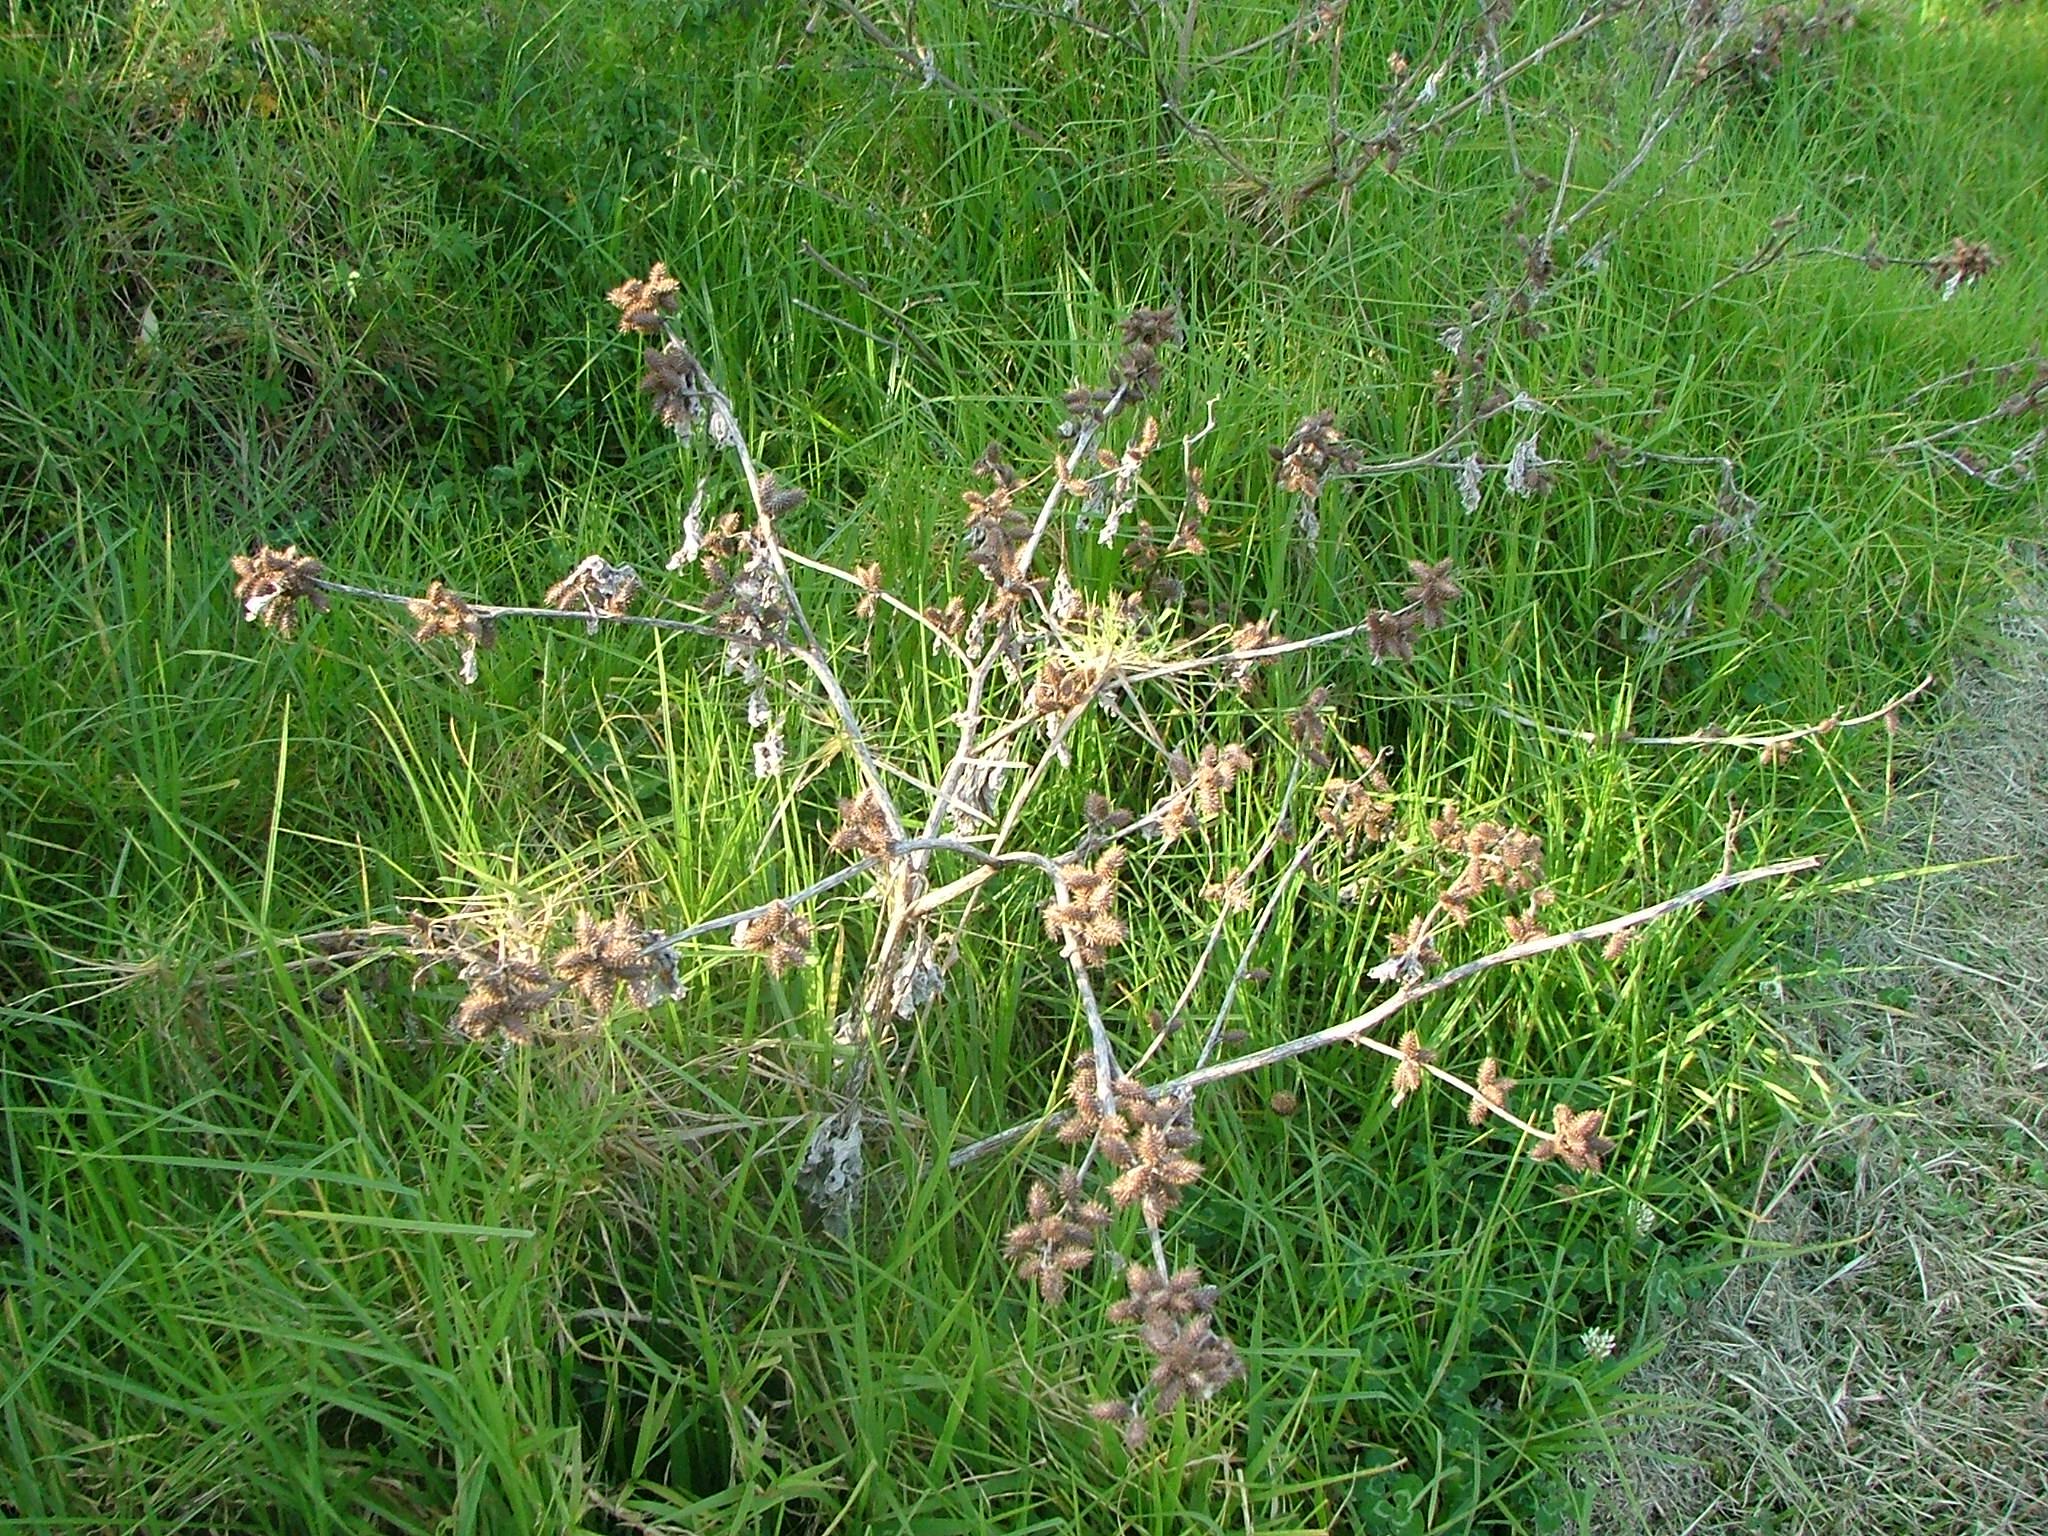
(277, 1253)
(1873, 1360)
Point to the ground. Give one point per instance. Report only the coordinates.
(1874, 1360)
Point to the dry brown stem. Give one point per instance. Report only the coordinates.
(1773, 742)
(1355, 1031)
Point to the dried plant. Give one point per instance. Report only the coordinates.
(1030, 657)
(674, 384)
(442, 615)
(645, 303)
(1316, 451)
(1575, 1140)
(1054, 1241)
(271, 584)
(595, 587)
(608, 956)
(1081, 914)
(779, 935)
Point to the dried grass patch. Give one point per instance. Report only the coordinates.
(1878, 1363)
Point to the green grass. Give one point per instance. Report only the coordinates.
(276, 1254)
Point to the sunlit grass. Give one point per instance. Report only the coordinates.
(276, 1254)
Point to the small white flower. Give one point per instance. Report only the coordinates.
(1643, 1217)
(253, 609)
(1598, 1343)
(1950, 288)
(758, 711)
(1452, 337)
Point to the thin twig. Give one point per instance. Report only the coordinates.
(1257, 653)
(886, 598)
(1587, 22)
(866, 290)
(2017, 470)
(1098, 1027)
(921, 64)
(1259, 926)
(2004, 373)
(1711, 738)
(1354, 1031)
(1216, 929)
(811, 654)
(667, 943)
(1780, 249)
(1072, 18)
(1258, 44)
(513, 611)
(1372, 1018)
(893, 343)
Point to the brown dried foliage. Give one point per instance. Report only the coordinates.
(644, 303)
(1056, 1239)
(271, 584)
(1083, 915)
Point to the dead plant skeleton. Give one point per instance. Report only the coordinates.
(1032, 657)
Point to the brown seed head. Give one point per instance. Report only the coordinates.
(644, 302)
(271, 584)
(1056, 1240)
(1153, 327)
(1156, 1176)
(610, 955)
(1411, 1071)
(1493, 1091)
(595, 587)
(1961, 265)
(507, 997)
(1391, 636)
(870, 578)
(862, 830)
(779, 934)
(676, 387)
(1575, 1140)
(777, 498)
(1315, 451)
(443, 615)
(1434, 591)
